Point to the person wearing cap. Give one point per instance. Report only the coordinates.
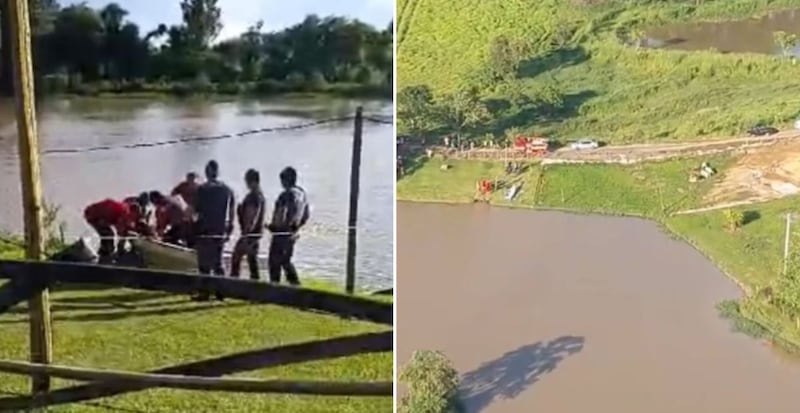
(290, 214)
(214, 208)
(251, 224)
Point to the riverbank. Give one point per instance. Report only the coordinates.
(135, 330)
(262, 89)
(751, 256)
(580, 74)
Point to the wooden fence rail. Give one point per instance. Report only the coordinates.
(235, 363)
(174, 381)
(50, 273)
(28, 278)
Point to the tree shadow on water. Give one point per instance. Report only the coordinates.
(514, 372)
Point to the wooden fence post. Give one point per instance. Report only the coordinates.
(39, 305)
(355, 172)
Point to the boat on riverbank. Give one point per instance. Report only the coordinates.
(163, 256)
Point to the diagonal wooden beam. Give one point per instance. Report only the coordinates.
(18, 290)
(230, 364)
(177, 381)
(182, 283)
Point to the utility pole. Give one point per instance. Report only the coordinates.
(39, 304)
(786, 243)
(355, 183)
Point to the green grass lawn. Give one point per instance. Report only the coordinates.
(644, 189)
(137, 331)
(752, 255)
(605, 87)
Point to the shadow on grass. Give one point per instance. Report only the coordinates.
(97, 405)
(413, 158)
(526, 112)
(514, 372)
(750, 216)
(166, 309)
(553, 60)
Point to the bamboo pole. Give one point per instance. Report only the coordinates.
(40, 333)
(355, 171)
(172, 381)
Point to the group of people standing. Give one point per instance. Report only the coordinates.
(201, 217)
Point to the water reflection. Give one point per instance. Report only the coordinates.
(755, 35)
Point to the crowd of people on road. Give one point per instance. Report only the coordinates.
(201, 216)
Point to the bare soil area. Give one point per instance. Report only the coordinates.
(765, 174)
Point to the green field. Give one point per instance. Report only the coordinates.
(576, 74)
(138, 331)
(752, 255)
(649, 189)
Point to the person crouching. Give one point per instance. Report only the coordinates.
(171, 219)
(113, 221)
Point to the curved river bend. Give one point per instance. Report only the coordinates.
(550, 312)
(321, 155)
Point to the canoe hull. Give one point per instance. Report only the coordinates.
(162, 256)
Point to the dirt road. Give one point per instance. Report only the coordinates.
(627, 154)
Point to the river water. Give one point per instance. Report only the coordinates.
(321, 154)
(755, 35)
(551, 312)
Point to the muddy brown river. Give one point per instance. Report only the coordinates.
(321, 154)
(551, 312)
(754, 35)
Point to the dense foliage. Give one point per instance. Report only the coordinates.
(575, 68)
(82, 49)
(432, 384)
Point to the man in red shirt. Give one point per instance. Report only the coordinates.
(107, 217)
(171, 218)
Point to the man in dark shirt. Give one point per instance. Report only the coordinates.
(251, 224)
(291, 213)
(214, 206)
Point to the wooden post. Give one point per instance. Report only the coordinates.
(786, 243)
(355, 172)
(39, 305)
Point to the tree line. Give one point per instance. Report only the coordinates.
(81, 49)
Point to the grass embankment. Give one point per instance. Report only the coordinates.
(580, 61)
(137, 331)
(262, 89)
(752, 256)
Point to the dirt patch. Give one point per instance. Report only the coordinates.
(760, 175)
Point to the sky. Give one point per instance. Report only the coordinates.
(238, 15)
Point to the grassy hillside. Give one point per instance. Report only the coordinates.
(574, 70)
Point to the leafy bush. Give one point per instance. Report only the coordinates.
(432, 384)
(734, 219)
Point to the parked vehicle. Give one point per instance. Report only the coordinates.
(762, 131)
(533, 146)
(797, 124)
(585, 144)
